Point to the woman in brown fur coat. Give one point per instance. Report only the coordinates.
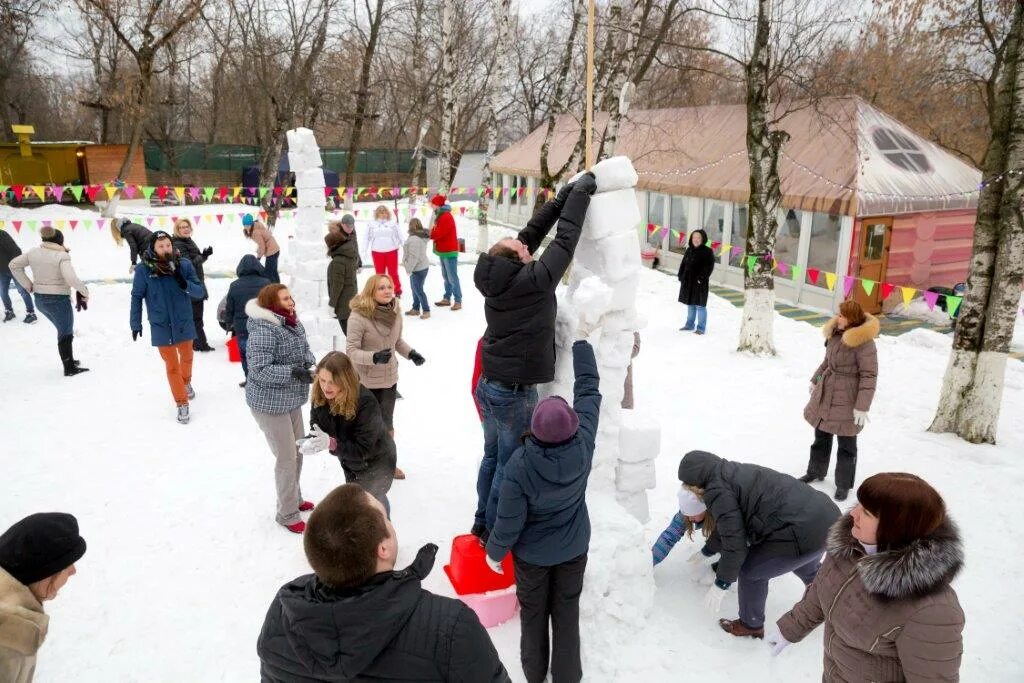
(841, 392)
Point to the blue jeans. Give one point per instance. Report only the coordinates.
(271, 268)
(507, 412)
(243, 342)
(759, 568)
(450, 273)
(419, 296)
(700, 313)
(57, 309)
(5, 293)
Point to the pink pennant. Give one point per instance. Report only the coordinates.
(736, 251)
(395, 191)
(357, 213)
(149, 220)
(101, 222)
(73, 224)
(46, 224)
(195, 220)
(58, 192)
(931, 298)
(129, 191)
(782, 268)
(848, 284)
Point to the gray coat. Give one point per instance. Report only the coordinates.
(415, 257)
(846, 379)
(273, 351)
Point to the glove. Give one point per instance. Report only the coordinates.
(416, 358)
(860, 417)
(586, 183)
(136, 334)
(208, 252)
(713, 598)
(494, 565)
(698, 564)
(314, 443)
(810, 387)
(179, 277)
(775, 641)
(382, 357)
(303, 375)
(81, 303)
(131, 269)
(563, 194)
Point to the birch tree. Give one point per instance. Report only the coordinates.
(503, 18)
(448, 103)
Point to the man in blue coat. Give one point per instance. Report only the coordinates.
(542, 518)
(252, 277)
(168, 283)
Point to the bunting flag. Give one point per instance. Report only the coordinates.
(830, 280)
(813, 274)
(129, 191)
(868, 285)
(953, 304)
(40, 191)
(147, 191)
(751, 262)
(797, 273)
(76, 191)
(847, 285)
(179, 192)
(908, 294)
(887, 290)
(931, 298)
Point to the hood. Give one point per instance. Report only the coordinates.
(257, 312)
(855, 336)
(23, 624)
(559, 464)
(697, 468)
(922, 568)
(493, 275)
(335, 634)
(703, 234)
(250, 265)
(346, 249)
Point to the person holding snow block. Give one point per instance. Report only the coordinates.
(884, 590)
(761, 524)
(341, 273)
(137, 237)
(416, 264)
(167, 282)
(266, 245)
(37, 557)
(694, 281)
(357, 618)
(346, 420)
(519, 343)
(842, 389)
(542, 519)
(383, 239)
(446, 246)
(251, 279)
(279, 377)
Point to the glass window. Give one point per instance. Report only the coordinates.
(823, 253)
(655, 215)
(712, 219)
(874, 242)
(787, 238)
(678, 224)
(739, 234)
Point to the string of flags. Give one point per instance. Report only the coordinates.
(818, 276)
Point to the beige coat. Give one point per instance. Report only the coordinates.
(365, 338)
(52, 272)
(23, 628)
(888, 617)
(266, 245)
(846, 379)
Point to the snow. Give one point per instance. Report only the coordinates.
(184, 555)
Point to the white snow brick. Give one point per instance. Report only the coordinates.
(639, 437)
(304, 291)
(611, 212)
(615, 173)
(633, 477)
(614, 258)
(636, 504)
(591, 299)
(309, 180)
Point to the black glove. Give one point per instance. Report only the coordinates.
(179, 277)
(585, 183)
(417, 358)
(303, 375)
(382, 357)
(136, 334)
(208, 252)
(563, 194)
(81, 303)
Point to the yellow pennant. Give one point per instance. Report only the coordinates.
(111, 191)
(236, 191)
(908, 294)
(830, 280)
(61, 223)
(180, 193)
(40, 191)
(726, 248)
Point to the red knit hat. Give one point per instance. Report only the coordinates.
(439, 200)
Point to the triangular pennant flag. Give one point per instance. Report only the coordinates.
(847, 285)
(92, 191)
(87, 223)
(751, 262)
(328, 191)
(193, 192)
(783, 268)
(195, 220)
(129, 191)
(277, 190)
(887, 290)
(18, 190)
(46, 223)
(161, 192)
(462, 209)
(263, 192)
(40, 191)
(149, 220)
(357, 213)
(17, 226)
(147, 191)
(715, 246)
(830, 280)
(868, 285)
(74, 224)
(220, 218)
(953, 304)
(61, 223)
(736, 251)
(232, 217)
(222, 192)
(32, 225)
(235, 191)
(179, 192)
(813, 274)
(76, 191)
(101, 222)
(208, 193)
(395, 192)
(111, 191)
(58, 193)
(650, 228)
(931, 298)
(908, 294)
(162, 220)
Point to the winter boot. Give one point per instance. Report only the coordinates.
(30, 318)
(738, 628)
(413, 312)
(183, 415)
(425, 316)
(306, 506)
(443, 302)
(9, 316)
(841, 494)
(71, 366)
(456, 306)
(808, 478)
(189, 391)
(296, 528)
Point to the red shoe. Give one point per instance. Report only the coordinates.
(306, 506)
(296, 528)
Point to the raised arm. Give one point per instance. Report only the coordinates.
(586, 396)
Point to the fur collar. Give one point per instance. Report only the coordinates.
(22, 621)
(257, 312)
(854, 336)
(923, 568)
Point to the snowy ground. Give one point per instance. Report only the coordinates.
(184, 555)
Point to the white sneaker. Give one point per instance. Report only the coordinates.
(183, 414)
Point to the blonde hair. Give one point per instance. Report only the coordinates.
(363, 303)
(115, 230)
(343, 373)
(382, 208)
(179, 224)
(707, 527)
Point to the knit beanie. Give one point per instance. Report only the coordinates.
(439, 200)
(247, 220)
(54, 235)
(689, 504)
(554, 420)
(348, 219)
(40, 546)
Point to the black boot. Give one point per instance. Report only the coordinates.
(71, 366)
(808, 478)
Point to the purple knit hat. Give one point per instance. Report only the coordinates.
(554, 420)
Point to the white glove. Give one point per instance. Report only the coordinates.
(775, 641)
(810, 388)
(860, 417)
(697, 565)
(713, 599)
(494, 564)
(319, 441)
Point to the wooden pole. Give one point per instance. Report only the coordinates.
(589, 119)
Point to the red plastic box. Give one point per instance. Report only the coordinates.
(469, 572)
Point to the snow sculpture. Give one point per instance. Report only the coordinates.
(602, 291)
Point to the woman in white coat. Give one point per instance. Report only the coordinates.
(383, 238)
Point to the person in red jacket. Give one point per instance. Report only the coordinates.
(446, 246)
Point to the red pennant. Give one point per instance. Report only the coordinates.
(91, 191)
(161, 192)
(17, 226)
(263, 215)
(277, 191)
(462, 210)
(73, 224)
(714, 245)
(19, 190)
(813, 273)
(887, 290)
(220, 218)
(357, 213)
(222, 192)
(651, 227)
(328, 191)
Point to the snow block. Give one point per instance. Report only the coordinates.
(615, 173)
(633, 477)
(636, 504)
(591, 298)
(609, 213)
(310, 179)
(614, 258)
(639, 437)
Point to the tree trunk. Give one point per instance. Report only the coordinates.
(503, 17)
(763, 148)
(972, 387)
(447, 95)
(139, 114)
(362, 101)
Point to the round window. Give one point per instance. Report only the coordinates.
(900, 150)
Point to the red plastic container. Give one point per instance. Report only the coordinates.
(234, 355)
(469, 572)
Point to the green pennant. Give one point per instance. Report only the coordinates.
(797, 273)
(208, 193)
(32, 225)
(868, 285)
(77, 191)
(88, 223)
(751, 262)
(146, 190)
(953, 304)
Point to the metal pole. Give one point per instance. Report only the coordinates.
(589, 121)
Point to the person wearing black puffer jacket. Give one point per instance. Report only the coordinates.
(189, 249)
(519, 343)
(763, 524)
(358, 619)
(694, 281)
(251, 279)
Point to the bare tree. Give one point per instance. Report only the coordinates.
(376, 18)
(503, 18)
(17, 22)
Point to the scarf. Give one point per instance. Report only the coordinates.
(385, 314)
(160, 266)
(443, 209)
(290, 318)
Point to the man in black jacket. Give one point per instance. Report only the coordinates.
(8, 250)
(357, 619)
(519, 344)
